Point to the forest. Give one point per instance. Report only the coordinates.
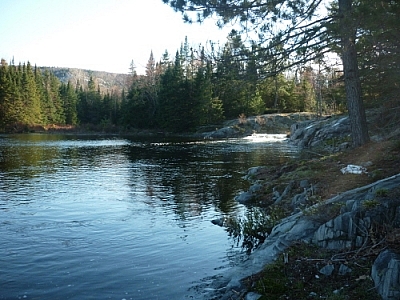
(202, 86)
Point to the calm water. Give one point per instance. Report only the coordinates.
(113, 218)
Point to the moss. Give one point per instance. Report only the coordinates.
(381, 192)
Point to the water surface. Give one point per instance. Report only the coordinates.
(94, 217)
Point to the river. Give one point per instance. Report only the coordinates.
(100, 217)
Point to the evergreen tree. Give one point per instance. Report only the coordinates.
(7, 111)
(378, 46)
(69, 98)
(51, 104)
(171, 112)
(209, 108)
(165, 62)
(90, 108)
(237, 79)
(31, 113)
(306, 90)
(305, 37)
(333, 91)
(16, 105)
(138, 108)
(151, 87)
(151, 70)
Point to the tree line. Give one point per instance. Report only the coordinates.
(287, 33)
(29, 96)
(199, 87)
(191, 90)
(178, 94)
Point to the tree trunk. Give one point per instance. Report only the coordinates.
(276, 91)
(355, 106)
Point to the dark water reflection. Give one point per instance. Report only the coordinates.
(104, 217)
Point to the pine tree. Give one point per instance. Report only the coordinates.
(306, 36)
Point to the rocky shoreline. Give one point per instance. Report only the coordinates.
(361, 211)
(359, 219)
(271, 123)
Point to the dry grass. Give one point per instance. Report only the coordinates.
(382, 159)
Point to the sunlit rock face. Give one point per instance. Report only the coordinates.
(331, 132)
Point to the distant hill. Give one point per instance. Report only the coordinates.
(107, 81)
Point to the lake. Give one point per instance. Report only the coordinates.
(102, 217)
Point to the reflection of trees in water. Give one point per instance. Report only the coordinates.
(201, 184)
(26, 158)
(250, 230)
(190, 177)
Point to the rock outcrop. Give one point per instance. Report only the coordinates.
(362, 219)
(106, 81)
(273, 123)
(332, 132)
(386, 275)
(363, 215)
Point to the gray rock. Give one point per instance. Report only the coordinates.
(276, 196)
(317, 132)
(255, 188)
(343, 270)
(344, 146)
(244, 197)
(219, 222)
(300, 199)
(304, 184)
(288, 188)
(251, 194)
(344, 231)
(386, 274)
(255, 172)
(252, 296)
(337, 292)
(222, 133)
(285, 192)
(327, 270)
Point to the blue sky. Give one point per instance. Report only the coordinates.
(102, 35)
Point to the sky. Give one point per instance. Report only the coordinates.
(101, 35)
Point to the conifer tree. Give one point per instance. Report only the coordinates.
(90, 104)
(16, 106)
(7, 116)
(210, 108)
(51, 104)
(30, 96)
(70, 98)
(171, 112)
(304, 32)
(151, 70)
(151, 86)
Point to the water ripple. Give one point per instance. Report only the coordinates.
(98, 217)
